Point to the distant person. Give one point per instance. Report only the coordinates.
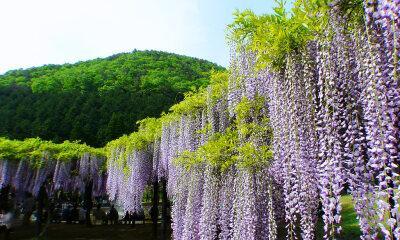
(45, 216)
(8, 221)
(82, 215)
(140, 216)
(28, 207)
(66, 214)
(113, 215)
(75, 214)
(56, 214)
(99, 215)
(133, 217)
(154, 214)
(127, 218)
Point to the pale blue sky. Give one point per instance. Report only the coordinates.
(38, 32)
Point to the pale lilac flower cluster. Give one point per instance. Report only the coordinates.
(338, 113)
(7, 173)
(56, 175)
(126, 181)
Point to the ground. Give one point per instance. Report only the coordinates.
(81, 232)
(350, 231)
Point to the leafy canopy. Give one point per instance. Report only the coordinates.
(98, 100)
(274, 36)
(35, 150)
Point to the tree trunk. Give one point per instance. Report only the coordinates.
(392, 202)
(4, 197)
(154, 212)
(39, 210)
(88, 202)
(165, 220)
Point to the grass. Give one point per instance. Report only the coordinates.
(350, 227)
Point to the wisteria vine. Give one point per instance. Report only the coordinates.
(267, 152)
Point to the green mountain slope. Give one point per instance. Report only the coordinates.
(98, 100)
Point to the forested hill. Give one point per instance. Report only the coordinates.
(98, 100)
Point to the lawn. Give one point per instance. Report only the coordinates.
(350, 227)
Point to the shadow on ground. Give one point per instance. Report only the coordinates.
(81, 232)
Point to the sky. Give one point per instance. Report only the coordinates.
(34, 33)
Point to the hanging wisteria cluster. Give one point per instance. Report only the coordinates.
(208, 203)
(334, 112)
(55, 175)
(126, 183)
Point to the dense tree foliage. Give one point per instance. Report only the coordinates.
(98, 100)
